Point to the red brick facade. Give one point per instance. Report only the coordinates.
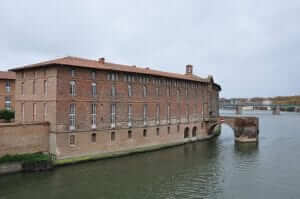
(131, 108)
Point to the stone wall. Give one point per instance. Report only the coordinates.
(24, 138)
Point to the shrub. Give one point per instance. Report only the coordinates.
(7, 115)
(25, 158)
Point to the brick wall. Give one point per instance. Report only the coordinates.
(84, 145)
(24, 138)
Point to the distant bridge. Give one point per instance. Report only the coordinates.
(274, 107)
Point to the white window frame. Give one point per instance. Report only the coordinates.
(23, 111)
(72, 117)
(34, 112)
(7, 103)
(22, 88)
(93, 74)
(129, 90)
(169, 113)
(145, 114)
(144, 91)
(94, 115)
(113, 115)
(45, 111)
(8, 86)
(73, 72)
(129, 115)
(73, 88)
(113, 91)
(45, 87)
(157, 115)
(94, 89)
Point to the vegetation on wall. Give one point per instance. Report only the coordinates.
(7, 115)
(26, 158)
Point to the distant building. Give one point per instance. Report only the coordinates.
(7, 90)
(267, 102)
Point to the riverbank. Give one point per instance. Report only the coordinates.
(43, 162)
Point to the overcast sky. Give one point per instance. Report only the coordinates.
(251, 47)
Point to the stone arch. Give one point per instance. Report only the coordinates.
(186, 132)
(194, 131)
(213, 126)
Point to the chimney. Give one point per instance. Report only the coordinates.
(101, 60)
(189, 69)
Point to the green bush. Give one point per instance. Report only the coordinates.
(7, 115)
(25, 158)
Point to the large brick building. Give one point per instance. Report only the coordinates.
(95, 107)
(7, 90)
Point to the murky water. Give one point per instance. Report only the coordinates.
(215, 169)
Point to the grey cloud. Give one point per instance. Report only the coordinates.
(251, 47)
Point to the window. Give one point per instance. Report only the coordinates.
(145, 114)
(144, 91)
(73, 88)
(113, 115)
(113, 136)
(23, 111)
(129, 134)
(22, 88)
(94, 114)
(178, 128)
(34, 112)
(169, 113)
(157, 113)
(129, 90)
(72, 116)
(94, 89)
(93, 74)
(157, 131)
(129, 115)
(45, 111)
(113, 91)
(73, 72)
(33, 87)
(178, 112)
(145, 132)
(169, 130)
(45, 88)
(7, 86)
(7, 103)
(94, 137)
(112, 76)
(72, 139)
(186, 92)
(178, 92)
(187, 114)
(157, 91)
(168, 92)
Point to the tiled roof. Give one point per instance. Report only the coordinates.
(94, 64)
(7, 75)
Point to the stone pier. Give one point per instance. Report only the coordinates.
(246, 129)
(276, 110)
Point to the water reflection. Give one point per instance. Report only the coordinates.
(219, 168)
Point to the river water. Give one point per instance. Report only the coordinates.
(218, 168)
